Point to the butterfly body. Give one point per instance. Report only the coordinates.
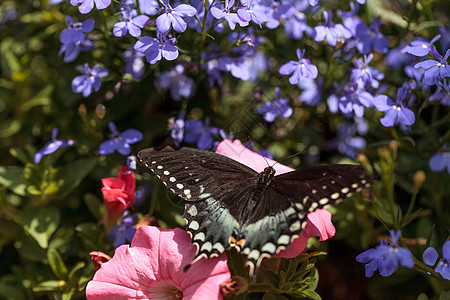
(230, 205)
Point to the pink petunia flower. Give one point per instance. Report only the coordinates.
(152, 268)
(319, 222)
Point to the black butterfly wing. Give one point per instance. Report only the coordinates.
(212, 222)
(195, 174)
(215, 188)
(281, 213)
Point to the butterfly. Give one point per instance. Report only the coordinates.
(230, 205)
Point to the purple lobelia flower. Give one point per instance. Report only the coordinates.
(346, 141)
(440, 160)
(224, 12)
(90, 81)
(119, 142)
(295, 26)
(140, 195)
(72, 50)
(176, 127)
(73, 38)
(52, 146)
(253, 11)
(351, 101)
(173, 17)
(364, 76)
(278, 107)
(435, 69)
(386, 257)
(157, 48)
(180, 85)
(123, 232)
(312, 91)
(87, 5)
(370, 38)
(396, 58)
(300, 69)
(75, 31)
(131, 22)
(443, 267)
(277, 12)
(396, 112)
(350, 19)
(149, 7)
(420, 48)
(134, 63)
(442, 93)
(329, 31)
(197, 132)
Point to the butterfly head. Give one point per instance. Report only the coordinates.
(269, 172)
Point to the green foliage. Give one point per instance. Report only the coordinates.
(51, 213)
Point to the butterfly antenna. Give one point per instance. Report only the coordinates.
(253, 145)
(293, 155)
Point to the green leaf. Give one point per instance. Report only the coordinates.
(314, 275)
(12, 178)
(57, 264)
(91, 234)
(311, 295)
(422, 297)
(73, 280)
(42, 98)
(19, 154)
(48, 286)
(29, 248)
(72, 174)
(444, 296)
(41, 223)
(67, 295)
(94, 205)
(10, 293)
(274, 296)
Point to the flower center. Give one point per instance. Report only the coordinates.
(165, 290)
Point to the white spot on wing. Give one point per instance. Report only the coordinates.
(254, 254)
(199, 236)
(194, 225)
(180, 186)
(283, 239)
(335, 196)
(159, 167)
(192, 211)
(167, 173)
(269, 247)
(206, 246)
(172, 179)
(295, 226)
(324, 201)
(203, 196)
(345, 190)
(219, 247)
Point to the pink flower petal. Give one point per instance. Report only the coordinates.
(319, 224)
(242, 154)
(153, 267)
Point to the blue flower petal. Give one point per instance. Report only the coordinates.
(430, 256)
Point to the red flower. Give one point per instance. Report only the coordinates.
(118, 193)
